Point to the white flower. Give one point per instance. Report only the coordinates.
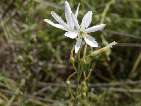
(73, 29)
(83, 31)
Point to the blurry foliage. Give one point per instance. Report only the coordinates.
(34, 56)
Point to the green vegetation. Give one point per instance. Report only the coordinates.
(34, 56)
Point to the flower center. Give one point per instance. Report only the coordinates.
(82, 34)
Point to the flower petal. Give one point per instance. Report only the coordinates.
(75, 21)
(78, 44)
(77, 10)
(87, 19)
(71, 35)
(95, 28)
(90, 41)
(68, 15)
(53, 24)
(59, 19)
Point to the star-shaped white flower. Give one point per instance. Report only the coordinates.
(82, 31)
(73, 29)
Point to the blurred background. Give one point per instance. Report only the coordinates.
(34, 56)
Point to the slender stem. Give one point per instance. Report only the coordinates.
(85, 52)
(135, 66)
(89, 74)
(69, 89)
(106, 10)
(79, 69)
(70, 76)
(72, 60)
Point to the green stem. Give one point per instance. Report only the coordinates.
(85, 52)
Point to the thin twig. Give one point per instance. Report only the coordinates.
(123, 83)
(135, 66)
(123, 90)
(123, 34)
(138, 45)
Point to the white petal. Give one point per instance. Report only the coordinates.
(87, 19)
(71, 35)
(75, 21)
(77, 10)
(59, 19)
(95, 28)
(78, 44)
(90, 41)
(53, 24)
(68, 15)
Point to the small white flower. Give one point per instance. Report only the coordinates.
(83, 31)
(73, 29)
